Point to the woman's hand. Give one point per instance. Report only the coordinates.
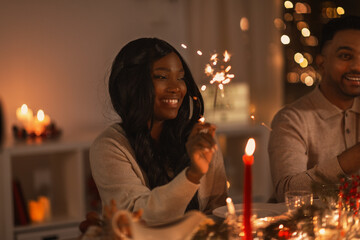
(200, 148)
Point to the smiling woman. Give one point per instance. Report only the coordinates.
(159, 158)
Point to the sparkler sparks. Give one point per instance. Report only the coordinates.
(218, 70)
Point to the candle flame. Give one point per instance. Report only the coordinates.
(250, 147)
(40, 115)
(24, 109)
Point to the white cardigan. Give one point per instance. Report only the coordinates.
(119, 177)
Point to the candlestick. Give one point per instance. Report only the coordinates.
(248, 161)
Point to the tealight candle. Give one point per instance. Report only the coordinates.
(24, 115)
(40, 122)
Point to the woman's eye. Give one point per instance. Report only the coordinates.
(159, 77)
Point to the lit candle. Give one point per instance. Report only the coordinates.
(40, 210)
(248, 161)
(24, 115)
(36, 211)
(45, 203)
(230, 206)
(40, 122)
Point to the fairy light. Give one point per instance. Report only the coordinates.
(305, 32)
(298, 57)
(309, 81)
(288, 4)
(183, 46)
(199, 52)
(304, 63)
(203, 88)
(285, 39)
(340, 10)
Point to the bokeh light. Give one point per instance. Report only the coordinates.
(285, 39)
(340, 11)
(300, 25)
(292, 77)
(288, 4)
(305, 32)
(309, 81)
(302, 8)
(304, 63)
(298, 57)
(279, 24)
(244, 24)
(288, 17)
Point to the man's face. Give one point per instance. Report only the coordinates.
(339, 66)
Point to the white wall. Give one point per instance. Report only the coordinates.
(55, 55)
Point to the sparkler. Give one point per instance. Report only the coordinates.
(218, 69)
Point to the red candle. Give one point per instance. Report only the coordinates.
(248, 159)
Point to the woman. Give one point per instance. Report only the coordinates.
(160, 158)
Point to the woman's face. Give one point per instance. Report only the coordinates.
(168, 78)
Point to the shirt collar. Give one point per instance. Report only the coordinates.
(326, 109)
(356, 106)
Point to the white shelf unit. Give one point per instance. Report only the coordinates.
(54, 167)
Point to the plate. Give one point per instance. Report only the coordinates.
(260, 209)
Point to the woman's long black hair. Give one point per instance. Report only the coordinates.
(132, 96)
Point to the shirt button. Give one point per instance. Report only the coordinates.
(347, 130)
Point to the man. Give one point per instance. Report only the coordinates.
(317, 138)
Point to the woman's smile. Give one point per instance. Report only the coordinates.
(169, 85)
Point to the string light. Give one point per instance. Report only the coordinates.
(285, 39)
(288, 4)
(340, 10)
(305, 32)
